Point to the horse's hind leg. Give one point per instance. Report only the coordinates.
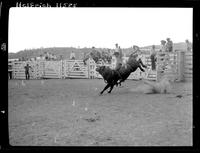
(120, 82)
(106, 87)
(111, 87)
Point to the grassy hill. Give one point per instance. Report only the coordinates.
(79, 52)
(64, 51)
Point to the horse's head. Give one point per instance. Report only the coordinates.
(100, 69)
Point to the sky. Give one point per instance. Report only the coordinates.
(31, 28)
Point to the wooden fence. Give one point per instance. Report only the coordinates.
(75, 69)
(36, 71)
(52, 69)
(188, 66)
(178, 65)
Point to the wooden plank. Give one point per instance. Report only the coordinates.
(83, 77)
(188, 66)
(188, 79)
(75, 75)
(78, 75)
(51, 77)
(188, 57)
(188, 76)
(188, 62)
(81, 74)
(151, 78)
(50, 74)
(188, 53)
(188, 71)
(99, 77)
(18, 76)
(21, 78)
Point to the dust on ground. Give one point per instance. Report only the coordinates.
(70, 112)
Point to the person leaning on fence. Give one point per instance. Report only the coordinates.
(163, 46)
(72, 55)
(169, 45)
(27, 74)
(153, 58)
(164, 53)
(189, 45)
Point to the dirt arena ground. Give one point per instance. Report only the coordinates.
(71, 113)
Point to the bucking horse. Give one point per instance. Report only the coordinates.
(114, 77)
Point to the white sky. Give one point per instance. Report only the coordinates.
(99, 27)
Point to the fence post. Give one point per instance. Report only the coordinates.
(188, 74)
(181, 64)
(160, 65)
(62, 69)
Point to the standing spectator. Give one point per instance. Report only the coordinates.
(169, 45)
(50, 56)
(72, 56)
(163, 46)
(27, 67)
(163, 53)
(110, 52)
(10, 71)
(189, 45)
(153, 58)
(46, 56)
(116, 48)
(61, 57)
(10, 74)
(120, 53)
(54, 56)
